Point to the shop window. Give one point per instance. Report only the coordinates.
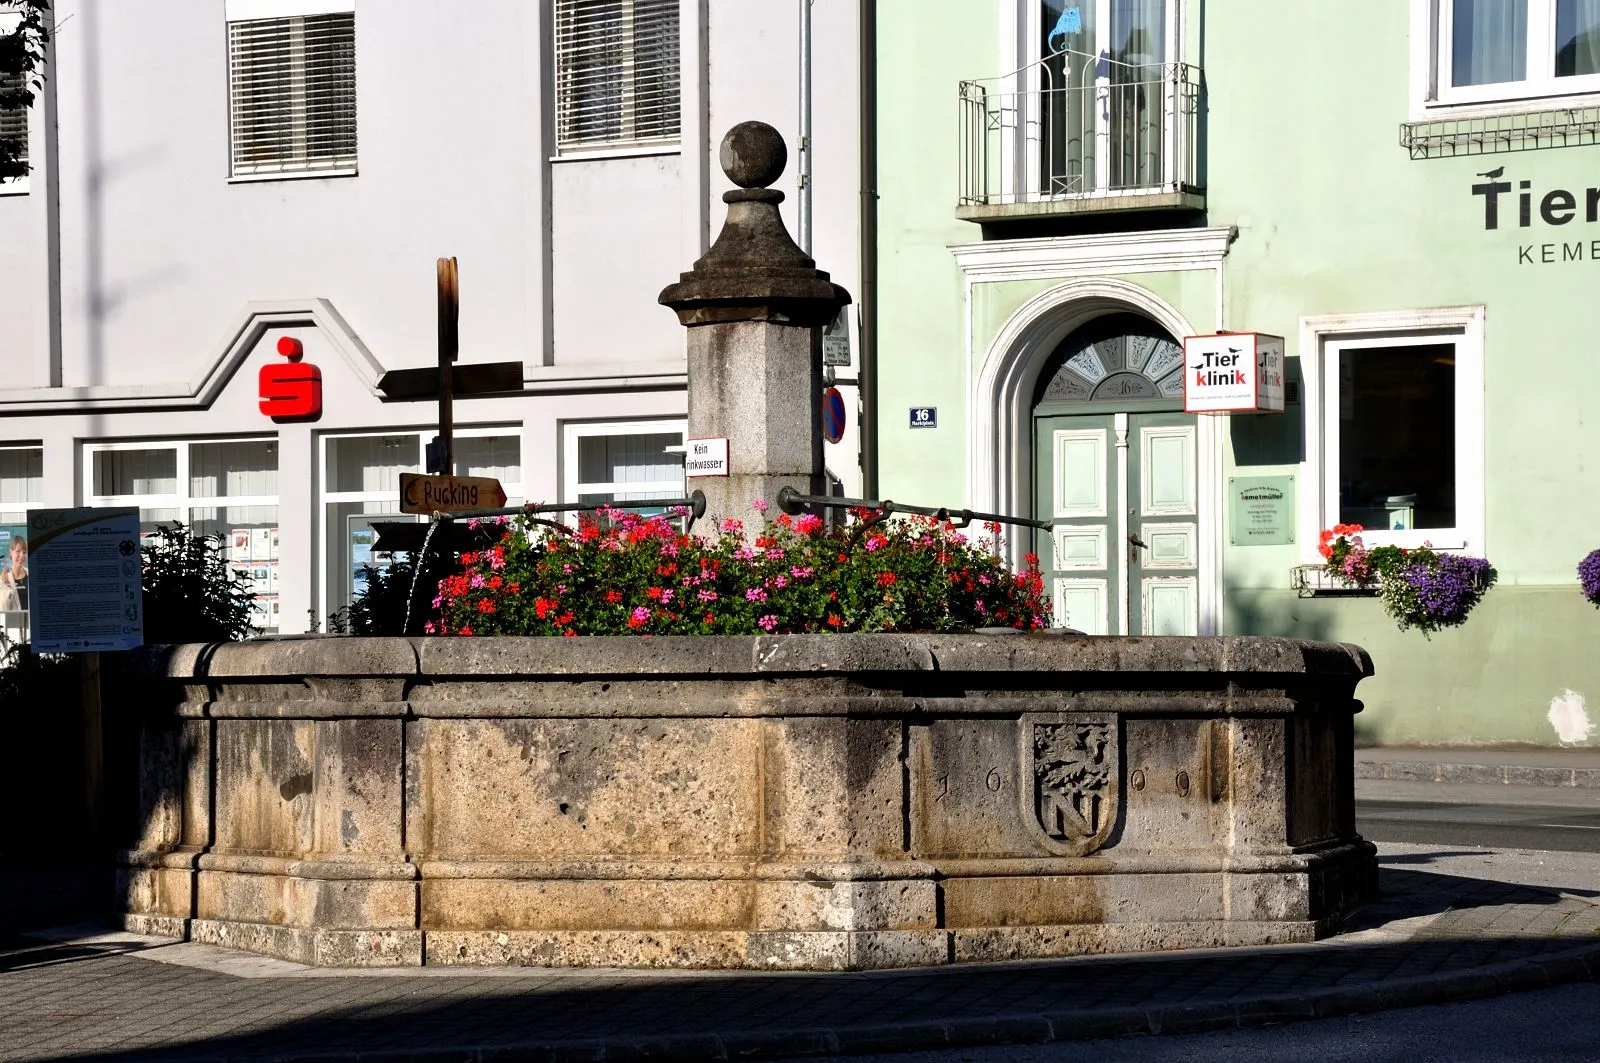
(623, 462)
(291, 88)
(616, 72)
(1402, 431)
(361, 487)
(21, 489)
(1501, 50)
(222, 488)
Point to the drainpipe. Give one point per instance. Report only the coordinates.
(867, 301)
(803, 177)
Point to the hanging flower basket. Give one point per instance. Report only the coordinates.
(1589, 576)
(1420, 588)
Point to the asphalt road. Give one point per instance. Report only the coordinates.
(1555, 819)
(1547, 1026)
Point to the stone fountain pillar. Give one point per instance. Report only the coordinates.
(755, 306)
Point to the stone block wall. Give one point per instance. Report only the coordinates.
(797, 802)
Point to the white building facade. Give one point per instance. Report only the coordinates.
(212, 177)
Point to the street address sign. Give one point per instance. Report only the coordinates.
(449, 494)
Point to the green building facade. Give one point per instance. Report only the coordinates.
(1406, 191)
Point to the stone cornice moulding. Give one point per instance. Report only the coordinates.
(1074, 256)
(202, 389)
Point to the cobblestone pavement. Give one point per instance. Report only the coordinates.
(1433, 937)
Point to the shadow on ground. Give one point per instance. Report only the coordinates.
(121, 1008)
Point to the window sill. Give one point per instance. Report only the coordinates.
(17, 186)
(602, 151)
(1315, 581)
(289, 175)
(1445, 129)
(1440, 110)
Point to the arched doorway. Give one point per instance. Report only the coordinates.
(1115, 461)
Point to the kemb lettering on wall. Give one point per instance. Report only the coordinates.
(1233, 372)
(1536, 209)
(291, 391)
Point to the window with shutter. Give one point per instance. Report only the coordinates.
(292, 94)
(13, 116)
(616, 72)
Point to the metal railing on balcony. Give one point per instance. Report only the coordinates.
(1074, 128)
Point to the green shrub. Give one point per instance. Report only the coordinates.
(191, 594)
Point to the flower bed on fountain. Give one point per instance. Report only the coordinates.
(623, 574)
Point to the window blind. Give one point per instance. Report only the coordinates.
(616, 72)
(13, 118)
(292, 94)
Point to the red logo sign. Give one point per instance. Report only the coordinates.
(291, 391)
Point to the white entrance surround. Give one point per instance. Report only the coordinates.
(1000, 388)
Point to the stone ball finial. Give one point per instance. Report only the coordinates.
(753, 155)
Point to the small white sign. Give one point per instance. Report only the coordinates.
(705, 457)
(85, 571)
(1233, 372)
(836, 340)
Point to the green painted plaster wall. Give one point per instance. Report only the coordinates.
(1334, 217)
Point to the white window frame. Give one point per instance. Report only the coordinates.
(25, 506)
(514, 491)
(1321, 341)
(181, 499)
(623, 145)
(572, 431)
(1020, 30)
(258, 10)
(1434, 97)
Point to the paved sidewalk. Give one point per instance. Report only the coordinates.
(1471, 765)
(1435, 936)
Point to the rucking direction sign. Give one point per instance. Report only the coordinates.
(449, 494)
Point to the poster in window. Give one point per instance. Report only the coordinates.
(261, 544)
(239, 544)
(13, 576)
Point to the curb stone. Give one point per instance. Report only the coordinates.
(1478, 774)
(1573, 965)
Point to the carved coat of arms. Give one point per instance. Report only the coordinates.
(1076, 779)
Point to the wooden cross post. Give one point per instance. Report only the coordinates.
(441, 456)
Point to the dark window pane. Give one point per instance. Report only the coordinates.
(1490, 42)
(1577, 37)
(1397, 436)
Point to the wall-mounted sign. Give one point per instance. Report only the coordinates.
(705, 457)
(85, 573)
(1260, 510)
(836, 340)
(1233, 372)
(449, 494)
(832, 415)
(291, 391)
(924, 417)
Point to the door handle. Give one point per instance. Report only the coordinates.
(1135, 544)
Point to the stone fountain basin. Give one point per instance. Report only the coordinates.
(781, 802)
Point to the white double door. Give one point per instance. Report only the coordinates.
(1119, 490)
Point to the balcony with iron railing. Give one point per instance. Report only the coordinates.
(1080, 134)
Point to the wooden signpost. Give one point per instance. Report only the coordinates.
(442, 491)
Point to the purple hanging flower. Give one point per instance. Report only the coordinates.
(1589, 576)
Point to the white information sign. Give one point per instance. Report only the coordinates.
(836, 340)
(1233, 372)
(84, 567)
(705, 457)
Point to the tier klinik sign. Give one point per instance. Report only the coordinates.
(1233, 372)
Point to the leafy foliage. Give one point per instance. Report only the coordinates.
(22, 53)
(380, 608)
(191, 594)
(631, 575)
